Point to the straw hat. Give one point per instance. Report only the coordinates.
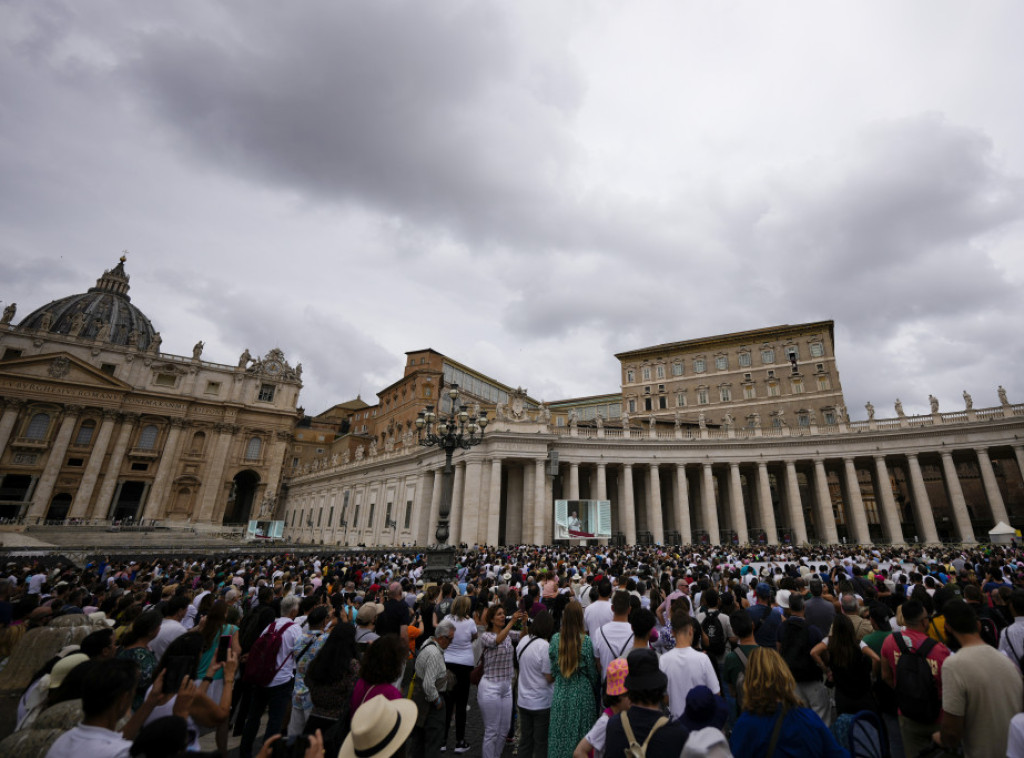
(379, 728)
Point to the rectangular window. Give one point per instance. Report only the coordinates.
(680, 399)
(749, 392)
(647, 390)
(768, 357)
(817, 350)
(663, 402)
(773, 389)
(646, 373)
(295, 462)
(803, 420)
(744, 360)
(75, 461)
(725, 393)
(140, 467)
(293, 518)
(11, 353)
(330, 516)
(661, 388)
(647, 403)
(355, 518)
(677, 369)
(108, 368)
(699, 366)
(798, 386)
(266, 393)
(659, 372)
(213, 388)
(702, 396)
(792, 354)
(369, 521)
(408, 513)
(630, 376)
(830, 417)
(320, 516)
(387, 515)
(632, 405)
(824, 383)
(721, 362)
(165, 380)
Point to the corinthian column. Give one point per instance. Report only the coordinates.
(213, 477)
(54, 463)
(494, 504)
(992, 493)
(890, 513)
(10, 415)
(113, 469)
(80, 505)
(826, 517)
(540, 504)
(922, 506)
(855, 504)
(159, 495)
(956, 499)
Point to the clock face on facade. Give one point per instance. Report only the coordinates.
(273, 367)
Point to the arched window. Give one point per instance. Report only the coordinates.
(252, 449)
(85, 432)
(147, 439)
(38, 426)
(198, 442)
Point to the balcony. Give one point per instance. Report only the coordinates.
(29, 443)
(144, 454)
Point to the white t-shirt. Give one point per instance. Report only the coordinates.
(596, 735)
(686, 668)
(90, 742)
(611, 641)
(170, 630)
(285, 659)
(460, 650)
(596, 615)
(534, 662)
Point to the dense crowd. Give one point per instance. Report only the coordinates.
(599, 651)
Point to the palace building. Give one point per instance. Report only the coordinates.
(97, 424)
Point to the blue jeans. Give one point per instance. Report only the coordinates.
(275, 701)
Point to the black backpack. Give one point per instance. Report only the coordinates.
(795, 649)
(916, 690)
(712, 627)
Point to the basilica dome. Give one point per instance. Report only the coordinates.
(104, 314)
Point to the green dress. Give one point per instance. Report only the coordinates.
(573, 706)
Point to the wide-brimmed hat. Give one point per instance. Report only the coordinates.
(782, 598)
(366, 614)
(644, 672)
(64, 666)
(704, 708)
(379, 728)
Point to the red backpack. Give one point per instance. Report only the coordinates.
(261, 666)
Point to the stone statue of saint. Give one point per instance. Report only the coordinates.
(77, 323)
(870, 409)
(133, 337)
(728, 419)
(102, 330)
(154, 345)
(678, 421)
(334, 459)
(46, 322)
(968, 401)
(359, 453)
(298, 371)
(812, 419)
(841, 414)
(373, 447)
(934, 403)
(651, 422)
(781, 418)
(899, 409)
(1002, 395)
(9, 312)
(244, 358)
(197, 350)
(499, 411)
(599, 420)
(345, 456)
(757, 420)
(573, 418)
(702, 422)
(544, 414)
(625, 420)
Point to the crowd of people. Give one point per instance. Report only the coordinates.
(572, 651)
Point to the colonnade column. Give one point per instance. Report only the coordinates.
(574, 481)
(10, 415)
(764, 502)
(54, 462)
(539, 506)
(657, 522)
(628, 511)
(922, 506)
(429, 532)
(602, 482)
(493, 525)
(473, 501)
(826, 516)
(890, 513)
(992, 493)
(855, 503)
(455, 516)
(1018, 451)
(709, 505)
(683, 505)
(793, 505)
(421, 506)
(80, 505)
(737, 513)
(168, 459)
(956, 498)
(213, 482)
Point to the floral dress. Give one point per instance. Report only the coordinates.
(573, 705)
(146, 661)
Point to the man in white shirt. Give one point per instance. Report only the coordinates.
(613, 640)
(174, 611)
(276, 696)
(685, 667)
(599, 613)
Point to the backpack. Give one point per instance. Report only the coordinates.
(989, 631)
(712, 627)
(741, 677)
(261, 666)
(916, 690)
(635, 749)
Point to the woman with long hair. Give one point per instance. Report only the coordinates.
(770, 699)
(383, 663)
(573, 707)
(136, 648)
(458, 657)
(213, 626)
(331, 679)
(848, 665)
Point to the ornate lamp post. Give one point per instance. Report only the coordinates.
(449, 432)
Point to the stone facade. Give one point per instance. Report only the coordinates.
(102, 426)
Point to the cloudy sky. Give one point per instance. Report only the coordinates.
(528, 187)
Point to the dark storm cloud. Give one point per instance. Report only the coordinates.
(426, 111)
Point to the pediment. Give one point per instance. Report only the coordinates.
(62, 368)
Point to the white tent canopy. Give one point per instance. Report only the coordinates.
(1002, 533)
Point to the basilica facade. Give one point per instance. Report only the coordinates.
(98, 424)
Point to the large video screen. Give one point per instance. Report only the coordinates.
(583, 519)
(265, 530)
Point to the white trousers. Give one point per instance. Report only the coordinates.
(495, 700)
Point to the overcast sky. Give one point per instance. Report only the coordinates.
(529, 187)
